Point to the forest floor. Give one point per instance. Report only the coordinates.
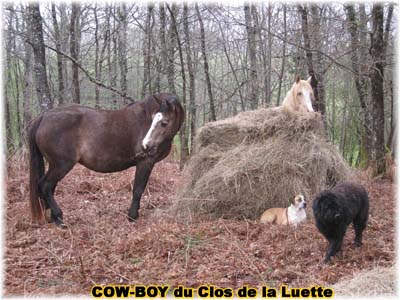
(100, 246)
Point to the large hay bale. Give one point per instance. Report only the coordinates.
(380, 281)
(257, 160)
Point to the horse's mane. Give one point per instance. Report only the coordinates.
(129, 104)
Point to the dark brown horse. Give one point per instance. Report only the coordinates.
(140, 134)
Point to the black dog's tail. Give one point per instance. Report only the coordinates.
(36, 171)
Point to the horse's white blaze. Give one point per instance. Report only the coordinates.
(307, 100)
(156, 119)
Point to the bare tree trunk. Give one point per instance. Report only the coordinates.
(75, 11)
(17, 75)
(283, 56)
(27, 90)
(108, 41)
(163, 42)
(183, 132)
(360, 80)
(155, 61)
(393, 121)
(64, 36)
(147, 51)
(171, 54)
(111, 38)
(192, 94)
(263, 56)
(114, 50)
(376, 76)
(96, 58)
(319, 72)
(60, 65)
(42, 85)
(333, 110)
(213, 115)
(8, 76)
(268, 69)
(251, 42)
(122, 49)
(17, 80)
(309, 60)
(345, 118)
(388, 25)
(306, 37)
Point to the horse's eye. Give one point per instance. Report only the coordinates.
(163, 124)
(299, 93)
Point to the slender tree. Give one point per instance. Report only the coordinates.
(39, 54)
(28, 72)
(60, 61)
(147, 43)
(163, 41)
(7, 73)
(122, 48)
(282, 72)
(251, 46)
(171, 44)
(213, 115)
(183, 132)
(377, 91)
(96, 57)
(75, 10)
(192, 82)
(360, 78)
(319, 75)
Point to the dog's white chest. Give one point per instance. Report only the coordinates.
(296, 216)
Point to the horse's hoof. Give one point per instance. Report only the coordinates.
(132, 219)
(327, 261)
(60, 223)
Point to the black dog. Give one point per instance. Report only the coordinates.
(335, 209)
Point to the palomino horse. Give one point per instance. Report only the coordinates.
(300, 96)
(140, 134)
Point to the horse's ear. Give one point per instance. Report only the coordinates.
(309, 79)
(297, 79)
(152, 104)
(158, 100)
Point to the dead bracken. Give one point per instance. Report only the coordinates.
(101, 247)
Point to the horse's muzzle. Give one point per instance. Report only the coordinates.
(149, 150)
(146, 148)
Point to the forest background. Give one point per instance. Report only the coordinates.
(220, 59)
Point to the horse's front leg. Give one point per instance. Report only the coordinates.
(143, 171)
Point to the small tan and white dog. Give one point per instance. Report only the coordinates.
(292, 215)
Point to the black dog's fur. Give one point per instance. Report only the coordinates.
(335, 209)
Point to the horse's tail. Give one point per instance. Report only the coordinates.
(36, 171)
